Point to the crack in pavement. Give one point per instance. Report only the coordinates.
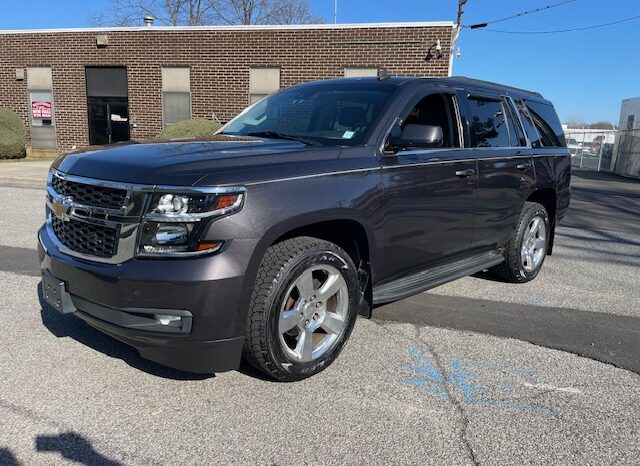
(463, 419)
(463, 422)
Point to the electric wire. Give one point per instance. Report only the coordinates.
(518, 15)
(566, 30)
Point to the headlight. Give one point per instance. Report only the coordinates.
(175, 222)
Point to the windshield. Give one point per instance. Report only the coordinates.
(323, 113)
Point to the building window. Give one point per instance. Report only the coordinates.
(631, 121)
(360, 72)
(262, 82)
(41, 110)
(176, 95)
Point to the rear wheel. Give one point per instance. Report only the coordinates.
(527, 248)
(303, 308)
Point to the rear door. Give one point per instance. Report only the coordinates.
(505, 170)
(429, 192)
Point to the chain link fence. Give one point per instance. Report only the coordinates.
(616, 151)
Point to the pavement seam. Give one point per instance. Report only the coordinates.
(523, 340)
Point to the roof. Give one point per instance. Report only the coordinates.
(267, 27)
(458, 81)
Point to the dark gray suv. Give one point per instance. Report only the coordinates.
(313, 205)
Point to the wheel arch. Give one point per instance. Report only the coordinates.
(352, 235)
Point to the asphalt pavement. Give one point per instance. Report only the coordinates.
(473, 372)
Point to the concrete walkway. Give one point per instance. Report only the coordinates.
(25, 173)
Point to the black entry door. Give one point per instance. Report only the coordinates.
(108, 121)
(107, 105)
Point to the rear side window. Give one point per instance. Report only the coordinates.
(515, 130)
(487, 123)
(547, 123)
(529, 127)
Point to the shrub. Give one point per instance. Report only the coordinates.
(189, 129)
(12, 137)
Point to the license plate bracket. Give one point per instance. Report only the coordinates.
(56, 294)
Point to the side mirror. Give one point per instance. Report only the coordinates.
(417, 136)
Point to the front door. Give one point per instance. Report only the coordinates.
(429, 193)
(108, 121)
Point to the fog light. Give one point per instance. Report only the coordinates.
(168, 233)
(168, 320)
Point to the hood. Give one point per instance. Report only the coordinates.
(184, 163)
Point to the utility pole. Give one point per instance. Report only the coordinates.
(456, 32)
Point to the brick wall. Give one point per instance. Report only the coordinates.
(219, 58)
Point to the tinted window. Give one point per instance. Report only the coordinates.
(487, 124)
(547, 123)
(529, 127)
(330, 114)
(436, 110)
(515, 130)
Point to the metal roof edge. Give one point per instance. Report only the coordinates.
(266, 27)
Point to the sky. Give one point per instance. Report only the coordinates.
(584, 73)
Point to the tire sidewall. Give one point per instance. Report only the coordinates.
(343, 263)
(536, 211)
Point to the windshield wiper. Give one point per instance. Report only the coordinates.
(277, 135)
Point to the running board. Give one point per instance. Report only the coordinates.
(427, 279)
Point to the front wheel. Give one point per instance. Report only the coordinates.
(303, 308)
(527, 248)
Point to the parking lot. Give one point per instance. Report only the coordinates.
(472, 372)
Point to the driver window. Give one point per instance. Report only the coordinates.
(436, 110)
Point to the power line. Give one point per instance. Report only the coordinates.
(517, 15)
(565, 30)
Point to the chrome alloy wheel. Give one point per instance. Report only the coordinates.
(534, 244)
(314, 313)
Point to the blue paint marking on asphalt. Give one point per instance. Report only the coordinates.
(460, 375)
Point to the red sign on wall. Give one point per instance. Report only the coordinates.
(41, 110)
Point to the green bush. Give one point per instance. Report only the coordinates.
(189, 129)
(11, 135)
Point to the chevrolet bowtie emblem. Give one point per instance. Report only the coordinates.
(62, 207)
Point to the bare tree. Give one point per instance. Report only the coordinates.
(206, 12)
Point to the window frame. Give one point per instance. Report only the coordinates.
(163, 93)
(496, 98)
(415, 99)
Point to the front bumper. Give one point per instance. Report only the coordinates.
(120, 300)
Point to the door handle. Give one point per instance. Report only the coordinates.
(523, 166)
(465, 173)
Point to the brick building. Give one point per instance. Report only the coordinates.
(73, 87)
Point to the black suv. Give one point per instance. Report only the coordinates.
(313, 205)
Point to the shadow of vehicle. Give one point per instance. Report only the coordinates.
(7, 458)
(73, 447)
(66, 325)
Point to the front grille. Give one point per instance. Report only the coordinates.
(86, 238)
(91, 195)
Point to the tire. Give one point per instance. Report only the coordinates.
(518, 267)
(293, 288)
